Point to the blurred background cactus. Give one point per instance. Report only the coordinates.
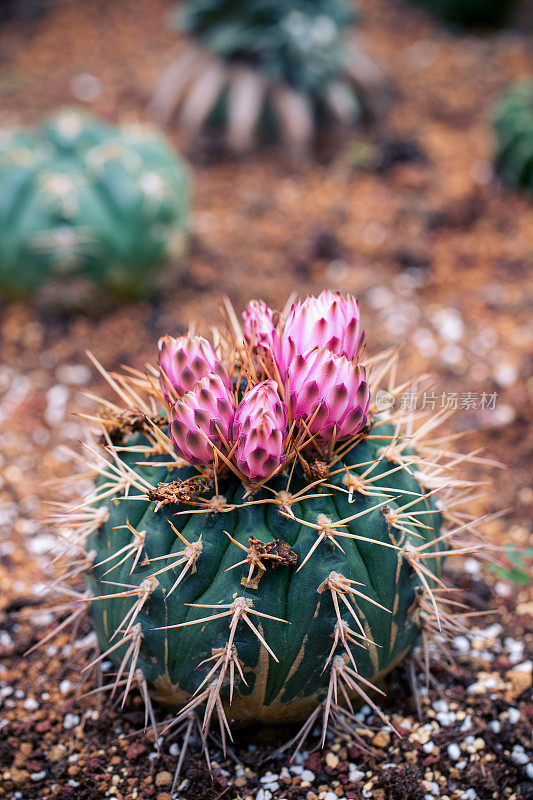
(513, 127)
(269, 66)
(477, 13)
(84, 200)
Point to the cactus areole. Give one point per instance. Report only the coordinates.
(269, 546)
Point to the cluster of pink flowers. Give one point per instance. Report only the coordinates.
(315, 384)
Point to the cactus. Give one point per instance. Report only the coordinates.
(271, 546)
(513, 128)
(82, 199)
(466, 13)
(267, 65)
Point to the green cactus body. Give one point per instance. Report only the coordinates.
(176, 661)
(80, 198)
(513, 127)
(269, 70)
(300, 43)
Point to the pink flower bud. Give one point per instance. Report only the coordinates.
(259, 327)
(202, 418)
(336, 386)
(260, 430)
(185, 360)
(330, 321)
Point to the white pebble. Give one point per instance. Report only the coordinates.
(65, 687)
(495, 726)
(30, 704)
(505, 374)
(446, 717)
(470, 794)
(70, 721)
(514, 715)
(355, 774)
(529, 771)
(38, 776)
(454, 752)
(307, 775)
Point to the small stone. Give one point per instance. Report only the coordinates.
(20, 777)
(70, 721)
(381, 739)
(56, 754)
(520, 680)
(307, 775)
(332, 760)
(454, 752)
(135, 750)
(163, 778)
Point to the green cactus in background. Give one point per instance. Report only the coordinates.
(79, 198)
(300, 43)
(470, 13)
(275, 65)
(513, 128)
(271, 547)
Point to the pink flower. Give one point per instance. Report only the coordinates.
(185, 360)
(336, 386)
(330, 321)
(201, 419)
(260, 430)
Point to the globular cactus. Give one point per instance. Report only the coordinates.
(513, 128)
(470, 13)
(270, 547)
(82, 199)
(269, 67)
